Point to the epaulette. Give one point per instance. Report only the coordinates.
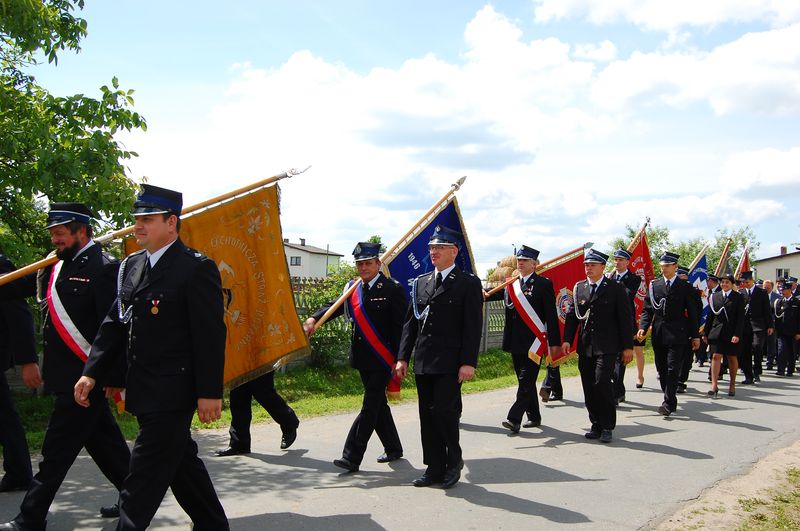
(109, 258)
(392, 280)
(197, 255)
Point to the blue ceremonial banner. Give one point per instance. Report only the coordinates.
(698, 278)
(413, 260)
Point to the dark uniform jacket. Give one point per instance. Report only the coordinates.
(86, 288)
(729, 322)
(385, 306)
(679, 320)
(759, 312)
(608, 329)
(787, 316)
(175, 340)
(631, 281)
(17, 345)
(450, 335)
(517, 337)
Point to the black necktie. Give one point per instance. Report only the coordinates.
(619, 277)
(364, 288)
(668, 285)
(438, 279)
(594, 288)
(146, 274)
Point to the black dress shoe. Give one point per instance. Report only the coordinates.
(513, 426)
(425, 481)
(288, 438)
(664, 410)
(746, 382)
(388, 457)
(13, 525)
(451, 477)
(11, 486)
(346, 464)
(232, 450)
(591, 434)
(532, 424)
(110, 511)
(556, 397)
(605, 436)
(544, 394)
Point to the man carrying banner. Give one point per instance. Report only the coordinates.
(376, 310)
(169, 318)
(241, 403)
(17, 347)
(77, 291)
(443, 330)
(531, 325)
(600, 313)
(630, 281)
(759, 325)
(671, 310)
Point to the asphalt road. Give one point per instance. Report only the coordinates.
(543, 478)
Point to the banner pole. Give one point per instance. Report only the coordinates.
(698, 257)
(436, 206)
(31, 268)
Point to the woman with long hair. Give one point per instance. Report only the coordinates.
(724, 327)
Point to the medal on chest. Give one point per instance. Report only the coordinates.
(154, 309)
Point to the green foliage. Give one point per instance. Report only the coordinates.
(58, 148)
(331, 342)
(375, 238)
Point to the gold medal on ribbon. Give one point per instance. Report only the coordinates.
(154, 309)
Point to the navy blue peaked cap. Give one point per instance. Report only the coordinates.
(682, 270)
(445, 236)
(155, 200)
(622, 253)
(61, 213)
(746, 275)
(527, 252)
(366, 251)
(669, 258)
(713, 277)
(593, 256)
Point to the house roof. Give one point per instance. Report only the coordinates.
(761, 260)
(310, 249)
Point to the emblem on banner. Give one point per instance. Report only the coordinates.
(562, 303)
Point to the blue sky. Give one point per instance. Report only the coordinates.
(571, 118)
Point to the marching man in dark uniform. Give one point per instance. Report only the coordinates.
(670, 309)
(443, 330)
(376, 310)
(168, 317)
(759, 326)
(531, 326)
(787, 321)
(240, 404)
(631, 281)
(77, 290)
(600, 313)
(17, 347)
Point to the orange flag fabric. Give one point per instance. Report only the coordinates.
(243, 236)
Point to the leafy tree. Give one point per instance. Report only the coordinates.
(58, 148)
(375, 238)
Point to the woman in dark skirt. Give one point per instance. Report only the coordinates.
(724, 327)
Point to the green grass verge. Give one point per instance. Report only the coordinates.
(310, 391)
(779, 509)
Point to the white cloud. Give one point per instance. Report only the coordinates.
(602, 52)
(666, 15)
(765, 167)
(759, 72)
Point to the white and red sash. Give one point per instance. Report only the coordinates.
(379, 347)
(66, 329)
(538, 348)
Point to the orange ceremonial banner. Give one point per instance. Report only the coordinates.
(243, 236)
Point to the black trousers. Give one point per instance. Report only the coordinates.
(439, 411)
(16, 457)
(745, 355)
(72, 427)
(772, 350)
(686, 363)
(263, 390)
(375, 416)
(759, 348)
(165, 455)
(552, 381)
(618, 379)
(669, 362)
(598, 391)
(787, 353)
(527, 401)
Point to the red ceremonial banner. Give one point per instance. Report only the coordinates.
(564, 276)
(642, 265)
